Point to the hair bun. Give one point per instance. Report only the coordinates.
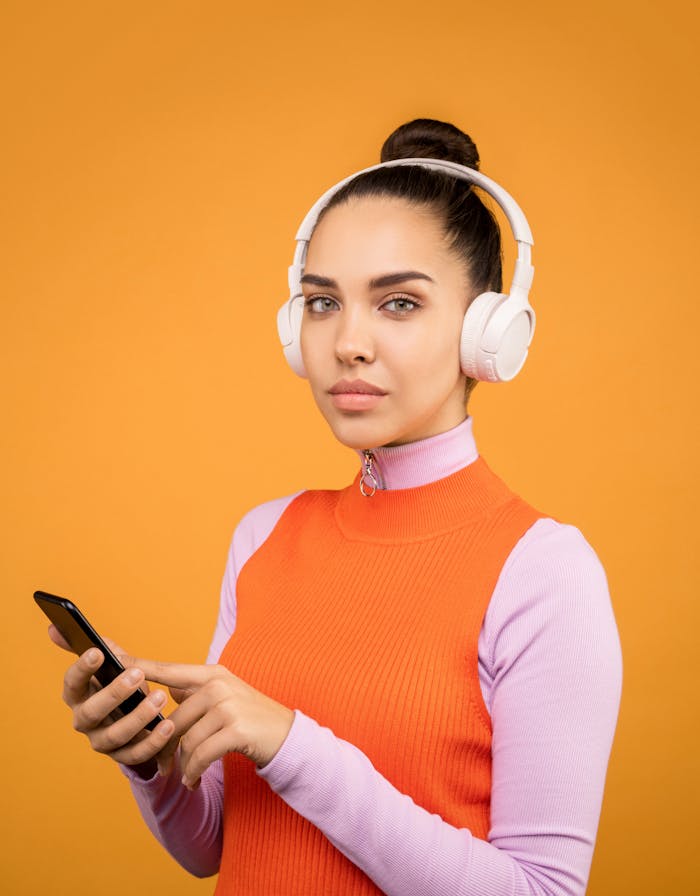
(427, 138)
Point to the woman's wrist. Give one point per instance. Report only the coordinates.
(284, 719)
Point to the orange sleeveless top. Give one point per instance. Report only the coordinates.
(365, 613)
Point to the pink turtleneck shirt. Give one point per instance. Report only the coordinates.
(550, 673)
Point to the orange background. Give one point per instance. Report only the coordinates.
(157, 159)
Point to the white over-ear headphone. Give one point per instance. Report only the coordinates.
(498, 327)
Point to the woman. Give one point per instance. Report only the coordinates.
(414, 681)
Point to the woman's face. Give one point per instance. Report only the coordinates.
(384, 303)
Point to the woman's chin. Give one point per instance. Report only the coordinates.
(358, 433)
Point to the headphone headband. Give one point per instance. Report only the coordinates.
(516, 218)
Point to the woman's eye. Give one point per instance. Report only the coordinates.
(400, 305)
(319, 304)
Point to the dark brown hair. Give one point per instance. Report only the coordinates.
(469, 226)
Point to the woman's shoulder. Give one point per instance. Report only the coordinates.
(256, 525)
(554, 561)
(553, 587)
(553, 540)
(251, 531)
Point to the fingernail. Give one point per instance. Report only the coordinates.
(166, 727)
(158, 698)
(134, 675)
(93, 657)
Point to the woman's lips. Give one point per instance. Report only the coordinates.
(355, 401)
(355, 395)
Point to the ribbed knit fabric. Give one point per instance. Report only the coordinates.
(397, 676)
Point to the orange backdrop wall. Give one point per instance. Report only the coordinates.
(156, 161)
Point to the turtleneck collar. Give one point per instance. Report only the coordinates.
(425, 488)
(424, 461)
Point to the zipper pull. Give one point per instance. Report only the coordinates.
(368, 475)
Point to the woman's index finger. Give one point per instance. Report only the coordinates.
(177, 675)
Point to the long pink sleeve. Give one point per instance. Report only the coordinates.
(550, 673)
(187, 823)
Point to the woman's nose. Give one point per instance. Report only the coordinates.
(354, 340)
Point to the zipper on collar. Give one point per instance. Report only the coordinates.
(368, 481)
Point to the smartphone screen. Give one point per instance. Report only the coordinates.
(81, 636)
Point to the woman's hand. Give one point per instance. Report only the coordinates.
(218, 714)
(123, 739)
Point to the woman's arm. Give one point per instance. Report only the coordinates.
(187, 823)
(550, 651)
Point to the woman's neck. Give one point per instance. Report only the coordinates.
(424, 461)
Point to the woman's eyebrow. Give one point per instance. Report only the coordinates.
(399, 277)
(375, 283)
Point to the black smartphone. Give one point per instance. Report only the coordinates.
(81, 636)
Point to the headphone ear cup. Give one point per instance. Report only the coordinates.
(289, 331)
(514, 338)
(477, 317)
(508, 338)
